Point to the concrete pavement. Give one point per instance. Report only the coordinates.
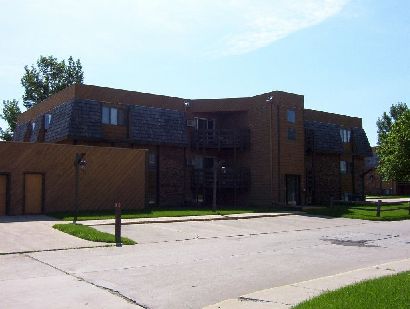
(198, 263)
(35, 233)
(287, 296)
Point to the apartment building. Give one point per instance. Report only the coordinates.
(262, 150)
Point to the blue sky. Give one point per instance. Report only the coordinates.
(345, 56)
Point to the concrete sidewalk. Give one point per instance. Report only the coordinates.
(290, 295)
(35, 233)
(189, 218)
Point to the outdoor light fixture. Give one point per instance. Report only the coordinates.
(79, 163)
(187, 105)
(268, 99)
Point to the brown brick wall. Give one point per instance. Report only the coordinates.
(171, 176)
(327, 178)
(112, 174)
(346, 121)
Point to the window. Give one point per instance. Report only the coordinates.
(291, 134)
(343, 167)
(204, 123)
(152, 160)
(345, 135)
(47, 121)
(291, 116)
(33, 126)
(112, 115)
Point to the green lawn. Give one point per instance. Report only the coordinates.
(89, 233)
(131, 214)
(389, 212)
(386, 292)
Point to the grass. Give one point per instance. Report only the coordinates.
(389, 212)
(89, 233)
(156, 213)
(385, 292)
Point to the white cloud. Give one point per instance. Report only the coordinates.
(194, 27)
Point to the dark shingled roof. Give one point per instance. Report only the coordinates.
(20, 131)
(326, 137)
(38, 125)
(157, 126)
(86, 120)
(361, 146)
(60, 122)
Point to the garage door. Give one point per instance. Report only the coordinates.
(3, 194)
(33, 193)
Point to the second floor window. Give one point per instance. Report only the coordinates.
(345, 135)
(343, 167)
(291, 116)
(47, 121)
(112, 115)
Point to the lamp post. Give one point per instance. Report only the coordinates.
(79, 163)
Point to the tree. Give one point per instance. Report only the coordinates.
(385, 122)
(11, 110)
(48, 77)
(394, 150)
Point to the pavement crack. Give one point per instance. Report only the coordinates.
(57, 249)
(111, 291)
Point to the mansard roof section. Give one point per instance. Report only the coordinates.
(159, 126)
(325, 137)
(361, 145)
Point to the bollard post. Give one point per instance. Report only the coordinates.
(379, 206)
(331, 202)
(117, 207)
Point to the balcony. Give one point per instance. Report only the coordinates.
(227, 178)
(221, 139)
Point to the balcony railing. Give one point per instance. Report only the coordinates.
(221, 139)
(227, 178)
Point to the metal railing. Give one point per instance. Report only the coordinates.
(221, 139)
(227, 178)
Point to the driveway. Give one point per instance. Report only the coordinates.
(35, 233)
(194, 264)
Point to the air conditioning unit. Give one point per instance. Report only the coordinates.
(190, 123)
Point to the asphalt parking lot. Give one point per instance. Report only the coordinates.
(194, 264)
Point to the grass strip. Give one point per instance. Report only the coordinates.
(89, 233)
(385, 292)
(136, 214)
(389, 212)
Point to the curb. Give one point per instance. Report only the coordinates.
(287, 296)
(191, 218)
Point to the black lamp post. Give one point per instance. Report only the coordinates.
(79, 163)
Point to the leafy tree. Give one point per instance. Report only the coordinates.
(48, 77)
(394, 150)
(11, 110)
(385, 122)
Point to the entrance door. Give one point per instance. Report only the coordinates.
(3, 195)
(33, 193)
(293, 189)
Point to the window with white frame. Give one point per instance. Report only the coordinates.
(345, 135)
(112, 115)
(47, 121)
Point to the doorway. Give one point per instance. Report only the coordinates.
(4, 192)
(293, 190)
(33, 193)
